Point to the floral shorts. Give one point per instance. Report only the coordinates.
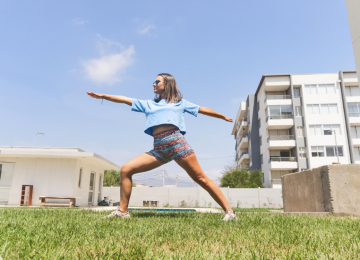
(171, 145)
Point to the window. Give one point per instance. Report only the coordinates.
(310, 89)
(352, 91)
(302, 152)
(331, 151)
(326, 88)
(280, 112)
(354, 109)
(357, 153)
(80, 175)
(355, 132)
(300, 131)
(263, 177)
(322, 109)
(317, 151)
(259, 122)
(260, 140)
(320, 89)
(315, 130)
(296, 92)
(298, 111)
(261, 159)
(327, 129)
(313, 109)
(0, 170)
(258, 106)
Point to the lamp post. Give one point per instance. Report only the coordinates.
(336, 146)
(36, 136)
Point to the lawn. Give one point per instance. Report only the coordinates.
(40, 233)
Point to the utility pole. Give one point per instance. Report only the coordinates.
(336, 146)
(36, 137)
(158, 175)
(163, 177)
(176, 181)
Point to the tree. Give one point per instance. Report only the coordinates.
(234, 177)
(113, 178)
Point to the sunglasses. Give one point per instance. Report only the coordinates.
(156, 82)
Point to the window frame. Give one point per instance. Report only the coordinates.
(80, 177)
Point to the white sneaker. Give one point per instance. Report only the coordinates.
(229, 215)
(118, 213)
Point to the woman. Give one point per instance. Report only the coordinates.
(165, 122)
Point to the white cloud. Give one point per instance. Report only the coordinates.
(78, 21)
(110, 67)
(145, 29)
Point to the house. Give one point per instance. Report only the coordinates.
(57, 172)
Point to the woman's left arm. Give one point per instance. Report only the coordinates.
(209, 112)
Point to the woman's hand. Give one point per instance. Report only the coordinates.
(228, 119)
(95, 95)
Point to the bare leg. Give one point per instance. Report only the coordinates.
(142, 163)
(191, 166)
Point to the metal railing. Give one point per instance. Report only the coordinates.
(281, 137)
(243, 153)
(240, 123)
(282, 116)
(354, 114)
(355, 136)
(272, 97)
(282, 159)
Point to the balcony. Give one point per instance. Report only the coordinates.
(243, 143)
(244, 158)
(281, 121)
(354, 118)
(281, 142)
(241, 128)
(277, 100)
(283, 163)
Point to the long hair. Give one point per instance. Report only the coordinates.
(172, 93)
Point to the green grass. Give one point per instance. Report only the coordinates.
(41, 233)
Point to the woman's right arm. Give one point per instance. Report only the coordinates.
(116, 99)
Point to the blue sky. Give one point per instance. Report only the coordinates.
(53, 51)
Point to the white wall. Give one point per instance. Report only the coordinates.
(56, 177)
(244, 198)
(353, 10)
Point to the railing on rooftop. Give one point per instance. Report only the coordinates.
(280, 137)
(282, 159)
(282, 116)
(272, 97)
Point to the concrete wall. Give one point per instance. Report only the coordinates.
(243, 198)
(331, 188)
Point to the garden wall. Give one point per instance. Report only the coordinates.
(331, 188)
(198, 197)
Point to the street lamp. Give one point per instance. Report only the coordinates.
(36, 136)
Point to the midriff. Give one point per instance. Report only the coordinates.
(161, 128)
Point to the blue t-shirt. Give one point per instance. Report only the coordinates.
(164, 113)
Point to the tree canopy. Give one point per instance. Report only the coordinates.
(113, 178)
(234, 177)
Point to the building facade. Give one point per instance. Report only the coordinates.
(299, 122)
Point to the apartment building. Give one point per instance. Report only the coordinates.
(299, 122)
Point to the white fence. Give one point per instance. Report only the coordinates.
(198, 197)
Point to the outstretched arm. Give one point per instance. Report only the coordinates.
(209, 112)
(116, 99)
